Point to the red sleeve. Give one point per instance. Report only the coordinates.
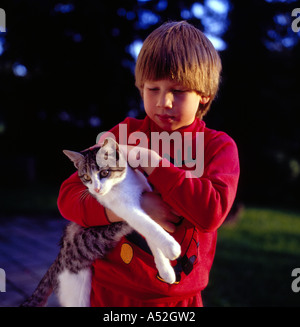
(204, 201)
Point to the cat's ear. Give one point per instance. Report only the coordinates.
(110, 142)
(76, 157)
(111, 147)
(110, 154)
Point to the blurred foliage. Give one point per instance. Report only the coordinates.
(36, 199)
(66, 74)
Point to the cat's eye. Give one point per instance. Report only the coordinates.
(86, 177)
(104, 173)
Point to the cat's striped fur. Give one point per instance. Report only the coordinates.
(79, 248)
(117, 187)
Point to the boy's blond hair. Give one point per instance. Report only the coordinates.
(180, 52)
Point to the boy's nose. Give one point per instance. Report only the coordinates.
(165, 101)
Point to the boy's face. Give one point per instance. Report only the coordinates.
(169, 104)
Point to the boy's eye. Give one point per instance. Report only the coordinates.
(104, 173)
(178, 91)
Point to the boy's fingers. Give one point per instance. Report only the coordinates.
(169, 227)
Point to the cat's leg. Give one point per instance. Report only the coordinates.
(162, 239)
(166, 243)
(144, 225)
(163, 265)
(74, 289)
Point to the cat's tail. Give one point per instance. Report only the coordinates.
(44, 289)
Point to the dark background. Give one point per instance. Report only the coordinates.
(66, 74)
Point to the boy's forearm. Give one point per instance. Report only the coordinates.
(111, 216)
(204, 201)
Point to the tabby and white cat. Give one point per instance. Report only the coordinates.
(117, 187)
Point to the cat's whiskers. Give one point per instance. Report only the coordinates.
(83, 194)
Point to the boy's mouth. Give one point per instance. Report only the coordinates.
(166, 118)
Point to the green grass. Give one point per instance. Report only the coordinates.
(254, 260)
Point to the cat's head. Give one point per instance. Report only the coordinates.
(101, 167)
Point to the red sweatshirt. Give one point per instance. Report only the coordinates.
(128, 274)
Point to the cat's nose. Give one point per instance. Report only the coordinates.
(97, 189)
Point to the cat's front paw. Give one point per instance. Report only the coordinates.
(172, 250)
(167, 275)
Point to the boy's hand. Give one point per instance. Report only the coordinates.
(138, 156)
(160, 211)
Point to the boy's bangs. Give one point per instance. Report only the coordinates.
(164, 64)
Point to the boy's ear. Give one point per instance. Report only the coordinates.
(204, 99)
(76, 157)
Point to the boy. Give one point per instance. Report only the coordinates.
(177, 73)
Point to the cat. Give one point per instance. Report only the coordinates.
(107, 176)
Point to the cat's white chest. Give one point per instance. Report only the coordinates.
(128, 191)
